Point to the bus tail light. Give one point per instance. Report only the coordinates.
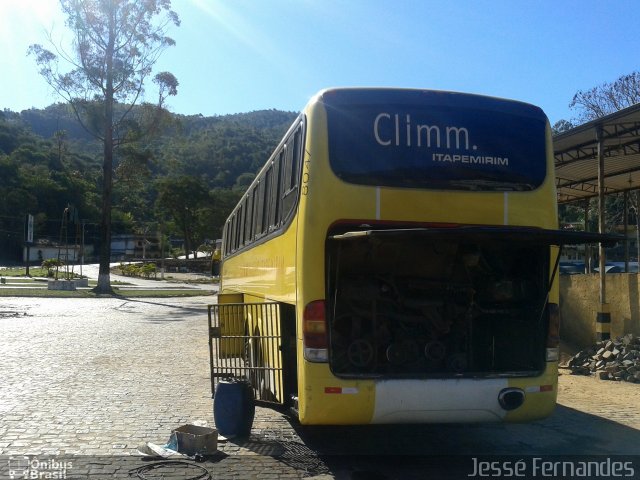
(314, 331)
(553, 334)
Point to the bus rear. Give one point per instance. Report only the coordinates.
(426, 260)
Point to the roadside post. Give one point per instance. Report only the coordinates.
(28, 240)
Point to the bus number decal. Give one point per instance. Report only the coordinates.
(305, 177)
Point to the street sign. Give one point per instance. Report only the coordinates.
(29, 228)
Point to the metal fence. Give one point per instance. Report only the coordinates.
(245, 343)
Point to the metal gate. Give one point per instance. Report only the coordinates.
(245, 343)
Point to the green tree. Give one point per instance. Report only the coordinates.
(243, 181)
(132, 186)
(219, 208)
(562, 126)
(181, 200)
(116, 43)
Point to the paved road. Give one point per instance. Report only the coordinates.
(89, 380)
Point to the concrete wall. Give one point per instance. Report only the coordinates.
(580, 299)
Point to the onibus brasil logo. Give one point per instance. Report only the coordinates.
(25, 467)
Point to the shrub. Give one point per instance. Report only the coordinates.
(50, 263)
(148, 269)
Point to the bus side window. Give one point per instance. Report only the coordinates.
(248, 217)
(258, 195)
(240, 226)
(236, 230)
(266, 201)
(227, 237)
(291, 173)
(269, 203)
(276, 195)
(232, 234)
(297, 158)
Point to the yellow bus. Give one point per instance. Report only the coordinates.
(395, 261)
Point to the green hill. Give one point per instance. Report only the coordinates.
(47, 160)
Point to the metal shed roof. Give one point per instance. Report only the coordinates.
(576, 156)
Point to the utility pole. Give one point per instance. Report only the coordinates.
(28, 239)
(603, 315)
(82, 247)
(161, 252)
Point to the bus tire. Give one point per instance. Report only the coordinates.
(258, 377)
(251, 359)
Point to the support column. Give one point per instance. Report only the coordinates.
(587, 248)
(626, 231)
(603, 317)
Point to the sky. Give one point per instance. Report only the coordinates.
(235, 56)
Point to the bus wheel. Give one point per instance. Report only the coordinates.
(251, 359)
(257, 373)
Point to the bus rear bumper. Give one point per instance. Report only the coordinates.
(438, 401)
(447, 400)
(515, 399)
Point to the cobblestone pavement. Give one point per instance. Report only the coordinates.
(87, 381)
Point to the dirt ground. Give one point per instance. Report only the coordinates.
(617, 401)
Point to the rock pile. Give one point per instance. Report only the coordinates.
(617, 359)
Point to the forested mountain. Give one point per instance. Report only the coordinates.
(193, 164)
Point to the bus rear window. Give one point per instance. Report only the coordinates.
(439, 145)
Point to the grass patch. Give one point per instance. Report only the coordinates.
(19, 287)
(24, 280)
(11, 272)
(43, 281)
(22, 272)
(44, 293)
(199, 280)
(162, 293)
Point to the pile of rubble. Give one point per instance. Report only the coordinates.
(610, 360)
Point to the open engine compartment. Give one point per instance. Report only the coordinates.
(413, 305)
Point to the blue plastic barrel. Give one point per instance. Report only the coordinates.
(233, 408)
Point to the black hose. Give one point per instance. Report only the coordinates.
(202, 473)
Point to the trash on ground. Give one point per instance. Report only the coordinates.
(152, 450)
(186, 441)
(193, 439)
